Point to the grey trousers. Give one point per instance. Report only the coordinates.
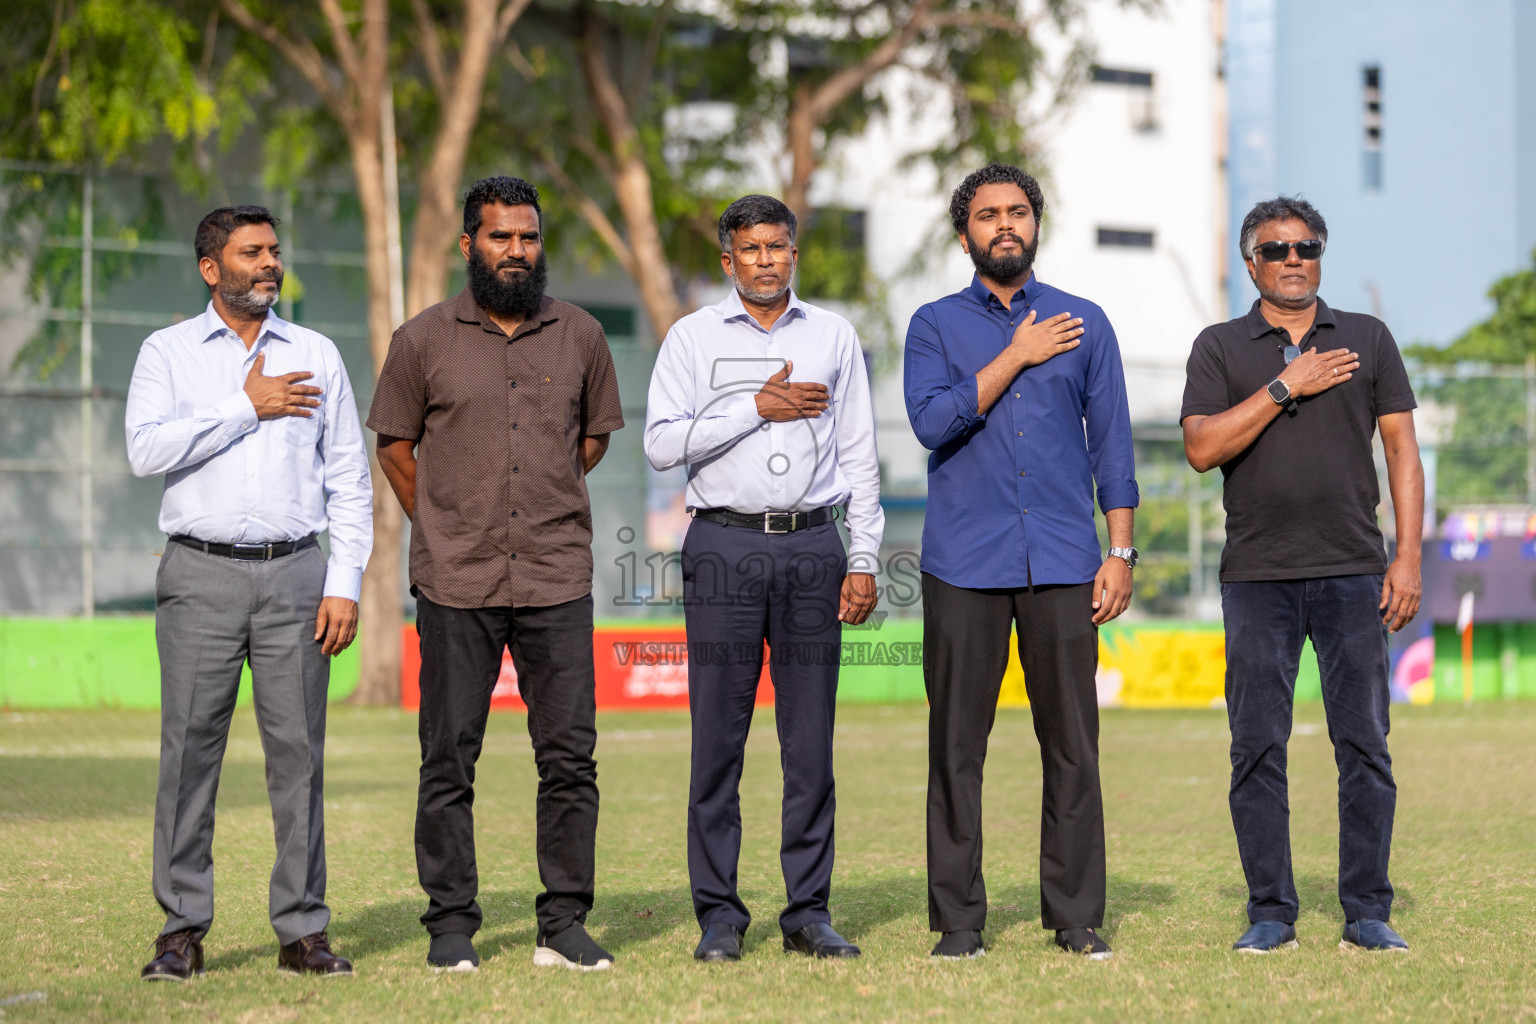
(212, 614)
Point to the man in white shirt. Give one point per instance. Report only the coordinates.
(256, 464)
(766, 400)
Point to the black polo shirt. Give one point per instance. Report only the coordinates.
(1301, 500)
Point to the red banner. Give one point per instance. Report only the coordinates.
(638, 668)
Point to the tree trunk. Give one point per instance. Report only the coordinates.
(381, 613)
(631, 183)
(800, 142)
(438, 221)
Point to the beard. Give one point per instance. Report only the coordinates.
(1004, 268)
(494, 294)
(241, 297)
(758, 295)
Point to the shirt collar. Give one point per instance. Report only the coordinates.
(982, 294)
(734, 309)
(466, 310)
(1258, 326)
(210, 325)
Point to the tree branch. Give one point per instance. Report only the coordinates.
(431, 46)
(508, 17)
(590, 212)
(341, 38)
(298, 51)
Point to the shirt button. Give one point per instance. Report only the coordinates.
(1024, 510)
(1021, 433)
(1021, 472)
(514, 513)
(514, 383)
(1015, 394)
(514, 554)
(514, 426)
(514, 469)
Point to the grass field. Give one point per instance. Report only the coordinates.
(77, 791)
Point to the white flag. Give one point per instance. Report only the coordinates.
(1464, 613)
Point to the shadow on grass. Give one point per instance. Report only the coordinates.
(623, 919)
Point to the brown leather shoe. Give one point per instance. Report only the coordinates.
(178, 957)
(312, 955)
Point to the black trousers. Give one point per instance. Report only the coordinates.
(965, 654)
(461, 651)
(741, 588)
(1266, 623)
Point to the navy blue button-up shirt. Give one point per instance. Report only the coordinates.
(1010, 492)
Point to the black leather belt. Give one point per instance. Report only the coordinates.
(769, 522)
(247, 552)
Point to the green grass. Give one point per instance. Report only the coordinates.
(77, 791)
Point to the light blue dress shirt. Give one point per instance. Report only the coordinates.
(233, 479)
(702, 413)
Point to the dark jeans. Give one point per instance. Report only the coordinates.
(965, 653)
(1266, 624)
(461, 652)
(741, 588)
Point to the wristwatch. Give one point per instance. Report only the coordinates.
(1131, 556)
(1279, 390)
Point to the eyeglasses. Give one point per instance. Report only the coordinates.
(774, 252)
(1275, 252)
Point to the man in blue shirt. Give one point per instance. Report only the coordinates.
(1017, 389)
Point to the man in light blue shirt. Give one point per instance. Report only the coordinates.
(257, 463)
(765, 399)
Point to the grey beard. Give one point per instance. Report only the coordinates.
(760, 296)
(250, 303)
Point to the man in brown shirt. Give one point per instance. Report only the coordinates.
(491, 409)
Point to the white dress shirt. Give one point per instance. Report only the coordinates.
(702, 412)
(233, 479)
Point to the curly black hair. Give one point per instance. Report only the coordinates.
(503, 189)
(1280, 208)
(214, 230)
(992, 174)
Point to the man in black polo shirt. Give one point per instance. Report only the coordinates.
(1285, 400)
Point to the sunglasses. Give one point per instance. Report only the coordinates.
(1275, 252)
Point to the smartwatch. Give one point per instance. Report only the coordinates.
(1131, 556)
(1279, 390)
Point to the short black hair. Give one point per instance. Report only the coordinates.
(214, 230)
(749, 212)
(1279, 208)
(992, 174)
(503, 189)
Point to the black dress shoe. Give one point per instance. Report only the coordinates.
(721, 941)
(819, 940)
(312, 955)
(178, 957)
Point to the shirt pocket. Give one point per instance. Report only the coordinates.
(561, 404)
(302, 431)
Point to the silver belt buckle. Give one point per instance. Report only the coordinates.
(788, 517)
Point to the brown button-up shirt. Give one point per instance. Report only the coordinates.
(502, 514)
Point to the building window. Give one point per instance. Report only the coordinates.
(1371, 155)
(1124, 238)
(834, 262)
(1138, 92)
(1120, 76)
(619, 323)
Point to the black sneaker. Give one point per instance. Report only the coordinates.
(1084, 942)
(453, 953)
(1266, 937)
(961, 945)
(573, 949)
